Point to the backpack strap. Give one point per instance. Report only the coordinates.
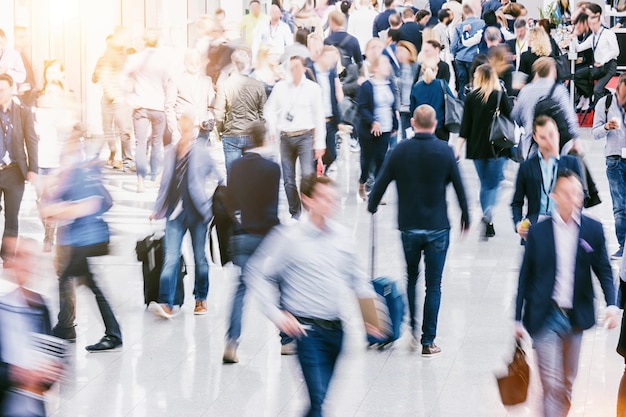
(607, 103)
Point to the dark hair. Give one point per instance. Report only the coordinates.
(581, 18)
(477, 62)
(520, 22)
(594, 8)
(422, 14)
(308, 184)
(541, 121)
(257, 131)
(490, 18)
(443, 13)
(566, 173)
(545, 24)
(298, 58)
(388, 3)
(7, 78)
(345, 6)
(301, 36)
(255, 1)
(394, 34)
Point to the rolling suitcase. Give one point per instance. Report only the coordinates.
(389, 292)
(150, 253)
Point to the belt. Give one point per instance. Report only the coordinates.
(5, 166)
(615, 157)
(329, 119)
(324, 324)
(296, 133)
(565, 311)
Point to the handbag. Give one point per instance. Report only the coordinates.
(453, 111)
(563, 67)
(349, 111)
(501, 131)
(513, 386)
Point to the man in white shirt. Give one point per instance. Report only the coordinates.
(295, 110)
(605, 48)
(361, 22)
(274, 35)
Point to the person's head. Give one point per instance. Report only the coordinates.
(374, 48)
(595, 16)
(406, 52)
(514, 9)
(6, 89)
(429, 70)
(151, 38)
(581, 24)
(395, 21)
(620, 91)
(408, 15)
(315, 44)
(490, 18)
(422, 16)
(492, 36)
(544, 24)
(546, 135)
(568, 193)
(519, 27)
(468, 11)
(297, 68)
(444, 16)
(389, 4)
(241, 59)
(275, 14)
(380, 68)
(486, 81)
(219, 15)
(393, 36)
(301, 36)
(500, 59)
(345, 6)
(477, 62)
(319, 196)
(21, 257)
(257, 132)
(431, 50)
(424, 119)
(539, 42)
(336, 20)
(255, 8)
(545, 67)
(328, 58)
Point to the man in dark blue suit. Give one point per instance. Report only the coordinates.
(536, 176)
(555, 292)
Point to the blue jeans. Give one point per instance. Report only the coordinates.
(616, 173)
(233, 148)
(462, 75)
(241, 247)
(292, 148)
(557, 348)
(490, 174)
(405, 122)
(434, 244)
(174, 232)
(317, 353)
(142, 119)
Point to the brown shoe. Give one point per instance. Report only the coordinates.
(117, 165)
(362, 192)
(200, 308)
(230, 353)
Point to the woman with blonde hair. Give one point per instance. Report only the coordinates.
(480, 106)
(431, 90)
(431, 53)
(539, 45)
(500, 61)
(376, 106)
(408, 72)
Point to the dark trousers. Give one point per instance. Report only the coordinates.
(331, 144)
(12, 187)
(76, 265)
(442, 133)
(291, 149)
(584, 79)
(317, 353)
(373, 151)
(462, 73)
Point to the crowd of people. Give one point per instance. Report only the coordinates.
(299, 80)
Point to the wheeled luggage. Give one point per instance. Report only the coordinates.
(150, 253)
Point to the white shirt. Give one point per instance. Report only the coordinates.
(566, 246)
(150, 70)
(604, 45)
(275, 37)
(360, 25)
(324, 83)
(303, 103)
(12, 61)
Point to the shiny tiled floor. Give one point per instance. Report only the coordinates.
(173, 368)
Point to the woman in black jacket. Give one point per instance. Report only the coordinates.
(480, 106)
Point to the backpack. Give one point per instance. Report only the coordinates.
(346, 58)
(548, 106)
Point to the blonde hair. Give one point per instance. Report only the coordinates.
(486, 82)
(409, 47)
(429, 71)
(429, 34)
(500, 59)
(539, 42)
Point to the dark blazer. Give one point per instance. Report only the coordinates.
(528, 185)
(538, 271)
(365, 105)
(24, 140)
(412, 32)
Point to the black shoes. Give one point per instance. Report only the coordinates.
(489, 230)
(431, 350)
(106, 344)
(66, 333)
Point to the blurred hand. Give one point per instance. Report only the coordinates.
(152, 216)
(522, 229)
(374, 332)
(31, 177)
(291, 326)
(319, 153)
(611, 317)
(611, 125)
(376, 129)
(520, 331)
